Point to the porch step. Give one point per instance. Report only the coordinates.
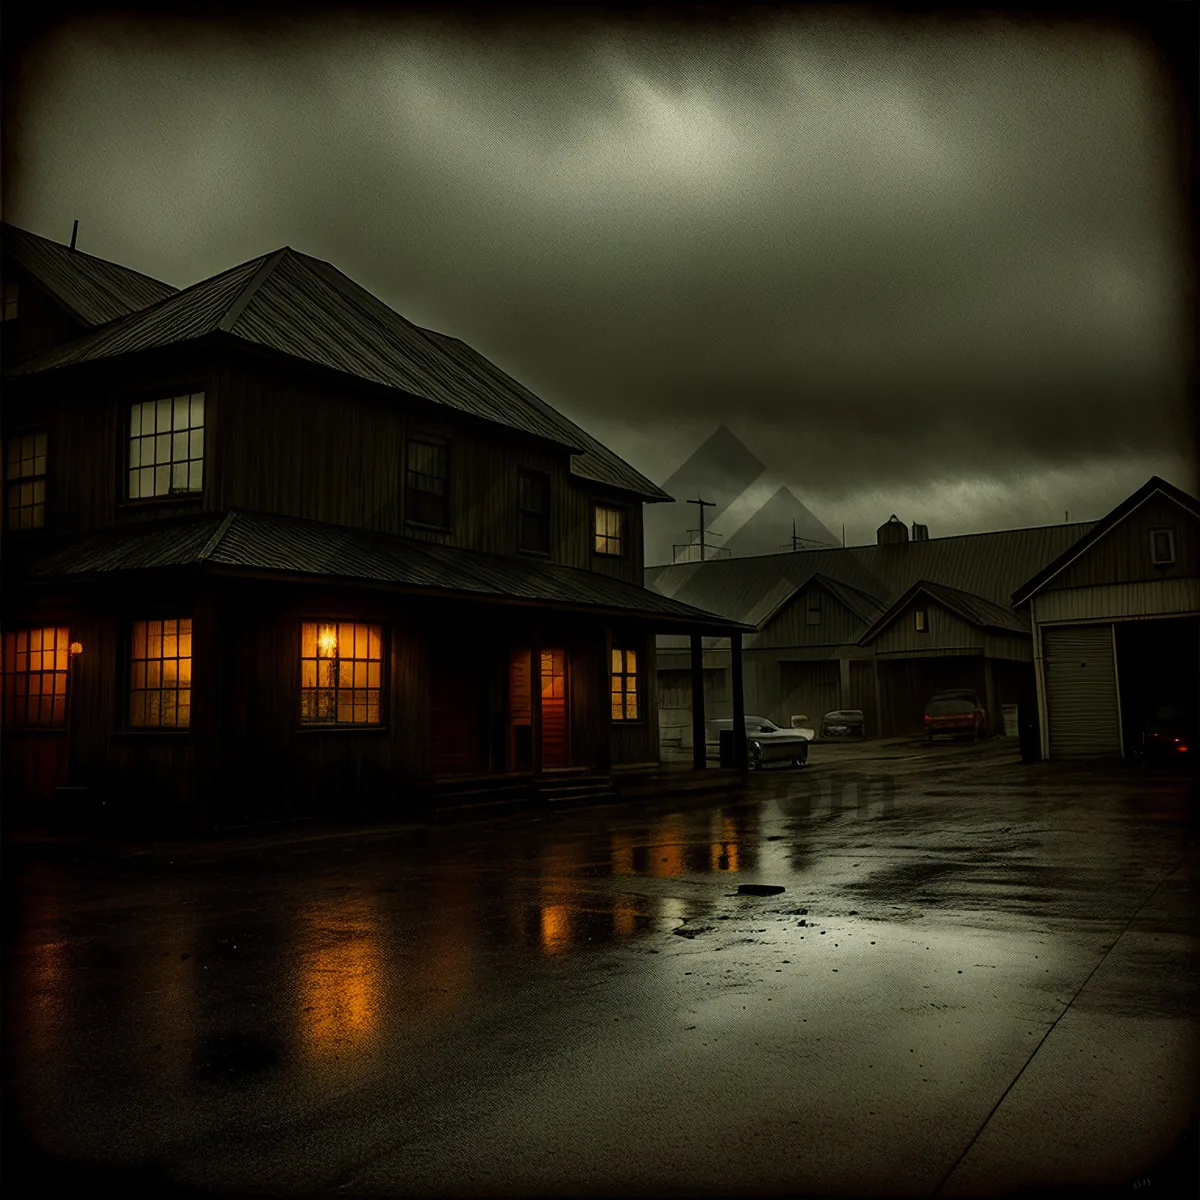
(590, 789)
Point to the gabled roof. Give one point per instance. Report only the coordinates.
(93, 290)
(863, 606)
(290, 546)
(972, 609)
(1154, 486)
(305, 308)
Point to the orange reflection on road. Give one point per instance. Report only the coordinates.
(622, 854)
(666, 852)
(556, 928)
(724, 851)
(339, 979)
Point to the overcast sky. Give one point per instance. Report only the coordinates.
(936, 269)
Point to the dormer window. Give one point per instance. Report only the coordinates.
(812, 612)
(533, 511)
(166, 448)
(1162, 547)
(25, 481)
(921, 620)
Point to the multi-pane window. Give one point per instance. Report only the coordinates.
(624, 685)
(427, 483)
(160, 674)
(166, 447)
(341, 673)
(35, 676)
(610, 530)
(12, 297)
(812, 612)
(533, 511)
(25, 481)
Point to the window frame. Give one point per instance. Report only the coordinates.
(1169, 534)
(446, 446)
(813, 607)
(543, 480)
(624, 649)
(126, 401)
(155, 613)
(623, 535)
(921, 620)
(319, 726)
(36, 726)
(33, 431)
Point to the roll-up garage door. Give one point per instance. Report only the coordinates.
(1081, 691)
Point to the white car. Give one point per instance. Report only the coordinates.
(766, 742)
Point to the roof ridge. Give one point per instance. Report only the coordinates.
(108, 262)
(238, 304)
(210, 547)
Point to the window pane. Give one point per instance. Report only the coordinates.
(196, 477)
(631, 661)
(179, 477)
(196, 444)
(197, 411)
(162, 481)
(162, 421)
(181, 412)
(179, 447)
(308, 639)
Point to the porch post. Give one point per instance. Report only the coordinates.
(603, 698)
(535, 695)
(739, 703)
(699, 750)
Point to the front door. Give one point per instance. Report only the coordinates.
(555, 728)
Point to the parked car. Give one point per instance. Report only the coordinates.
(1169, 734)
(842, 722)
(956, 713)
(766, 742)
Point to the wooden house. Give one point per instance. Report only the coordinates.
(272, 550)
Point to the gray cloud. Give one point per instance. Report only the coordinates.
(888, 255)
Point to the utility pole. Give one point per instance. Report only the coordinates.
(703, 505)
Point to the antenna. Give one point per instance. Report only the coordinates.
(843, 533)
(1067, 517)
(703, 504)
(74, 234)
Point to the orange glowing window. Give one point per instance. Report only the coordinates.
(35, 676)
(341, 673)
(160, 674)
(624, 685)
(25, 481)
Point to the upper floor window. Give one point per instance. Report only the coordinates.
(1162, 547)
(12, 296)
(35, 677)
(533, 511)
(341, 673)
(25, 481)
(624, 685)
(610, 530)
(921, 622)
(160, 674)
(812, 611)
(427, 483)
(166, 447)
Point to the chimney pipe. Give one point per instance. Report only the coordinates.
(74, 234)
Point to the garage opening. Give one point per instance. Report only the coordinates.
(1158, 664)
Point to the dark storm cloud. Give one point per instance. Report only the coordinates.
(920, 259)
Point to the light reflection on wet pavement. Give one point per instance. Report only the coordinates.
(584, 1002)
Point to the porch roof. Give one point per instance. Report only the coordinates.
(251, 543)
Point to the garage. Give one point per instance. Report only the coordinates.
(1081, 690)
(905, 686)
(809, 688)
(1158, 664)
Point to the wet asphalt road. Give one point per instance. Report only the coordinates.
(983, 979)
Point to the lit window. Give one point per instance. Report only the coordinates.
(341, 673)
(812, 615)
(35, 677)
(428, 484)
(11, 301)
(166, 447)
(624, 685)
(533, 511)
(1162, 547)
(160, 674)
(922, 625)
(25, 474)
(610, 531)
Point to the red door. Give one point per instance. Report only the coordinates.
(555, 739)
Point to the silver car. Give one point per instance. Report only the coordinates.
(766, 742)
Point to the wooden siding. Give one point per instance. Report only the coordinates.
(945, 631)
(1119, 601)
(1123, 554)
(41, 322)
(809, 689)
(789, 627)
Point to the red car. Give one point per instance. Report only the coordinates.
(955, 714)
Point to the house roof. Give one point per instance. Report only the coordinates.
(971, 608)
(986, 565)
(93, 290)
(1154, 486)
(307, 309)
(259, 542)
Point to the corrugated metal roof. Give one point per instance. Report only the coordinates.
(265, 542)
(92, 289)
(306, 308)
(973, 609)
(987, 565)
